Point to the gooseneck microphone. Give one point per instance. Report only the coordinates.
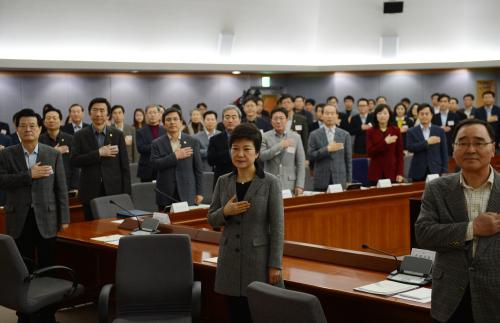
(139, 226)
(365, 246)
(167, 196)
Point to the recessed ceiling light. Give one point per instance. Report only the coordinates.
(236, 72)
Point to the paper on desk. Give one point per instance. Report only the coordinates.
(421, 295)
(114, 242)
(212, 260)
(385, 288)
(199, 206)
(108, 239)
(118, 221)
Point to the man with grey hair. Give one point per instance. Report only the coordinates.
(144, 138)
(218, 148)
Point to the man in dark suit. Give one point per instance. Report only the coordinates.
(459, 220)
(469, 110)
(32, 174)
(250, 108)
(446, 119)
(428, 145)
(359, 124)
(101, 153)
(210, 122)
(61, 141)
(218, 148)
(75, 124)
(299, 104)
(490, 113)
(144, 137)
(14, 137)
(318, 111)
(296, 122)
(4, 128)
(5, 142)
(176, 157)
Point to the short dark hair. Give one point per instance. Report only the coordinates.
(283, 110)
(371, 100)
(379, 108)
(76, 105)
(443, 95)
(435, 94)
(380, 97)
(175, 106)
(424, 106)
(208, 113)
(362, 99)
(400, 104)
(100, 100)
(332, 97)
(45, 107)
(247, 131)
(407, 100)
(470, 95)
(311, 101)
(249, 98)
(319, 106)
(474, 121)
(285, 96)
(150, 107)
(299, 96)
(453, 98)
(169, 111)
(201, 104)
(488, 92)
(117, 106)
(50, 108)
(348, 97)
(27, 113)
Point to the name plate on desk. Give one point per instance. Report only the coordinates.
(383, 183)
(286, 194)
(179, 207)
(162, 217)
(334, 188)
(431, 177)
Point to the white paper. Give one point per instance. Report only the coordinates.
(162, 217)
(334, 188)
(199, 206)
(386, 288)
(423, 253)
(286, 194)
(118, 221)
(382, 183)
(311, 193)
(115, 242)
(212, 260)
(113, 237)
(179, 207)
(421, 295)
(431, 177)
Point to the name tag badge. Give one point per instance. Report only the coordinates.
(334, 188)
(451, 123)
(298, 127)
(291, 150)
(3, 132)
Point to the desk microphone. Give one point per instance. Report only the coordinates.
(365, 246)
(139, 226)
(167, 196)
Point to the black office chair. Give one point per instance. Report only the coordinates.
(154, 281)
(144, 196)
(270, 304)
(31, 295)
(102, 209)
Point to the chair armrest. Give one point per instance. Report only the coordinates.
(71, 272)
(103, 304)
(196, 302)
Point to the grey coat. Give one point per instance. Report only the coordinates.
(48, 195)
(202, 137)
(442, 226)
(287, 166)
(251, 242)
(335, 165)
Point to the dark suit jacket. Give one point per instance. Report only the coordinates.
(426, 157)
(4, 128)
(386, 161)
(5, 140)
(177, 177)
(309, 117)
(452, 121)
(355, 130)
(260, 123)
(48, 196)
(14, 138)
(495, 111)
(72, 173)
(462, 115)
(68, 128)
(442, 226)
(113, 172)
(300, 126)
(218, 155)
(144, 138)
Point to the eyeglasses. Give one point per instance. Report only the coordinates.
(476, 145)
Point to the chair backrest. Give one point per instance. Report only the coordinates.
(407, 164)
(308, 180)
(13, 273)
(144, 196)
(207, 187)
(154, 274)
(360, 171)
(102, 208)
(274, 304)
(133, 173)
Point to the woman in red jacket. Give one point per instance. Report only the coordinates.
(384, 145)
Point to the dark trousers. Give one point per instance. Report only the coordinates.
(30, 244)
(87, 210)
(463, 313)
(239, 311)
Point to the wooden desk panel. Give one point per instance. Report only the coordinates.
(332, 282)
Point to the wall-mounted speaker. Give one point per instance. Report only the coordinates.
(225, 43)
(393, 7)
(389, 46)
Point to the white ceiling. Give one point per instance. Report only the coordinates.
(269, 35)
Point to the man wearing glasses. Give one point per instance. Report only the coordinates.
(101, 153)
(459, 220)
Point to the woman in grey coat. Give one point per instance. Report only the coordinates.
(248, 203)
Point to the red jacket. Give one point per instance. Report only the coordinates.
(386, 161)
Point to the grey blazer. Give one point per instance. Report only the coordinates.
(133, 154)
(336, 165)
(251, 242)
(48, 196)
(288, 166)
(442, 226)
(202, 137)
(183, 177)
